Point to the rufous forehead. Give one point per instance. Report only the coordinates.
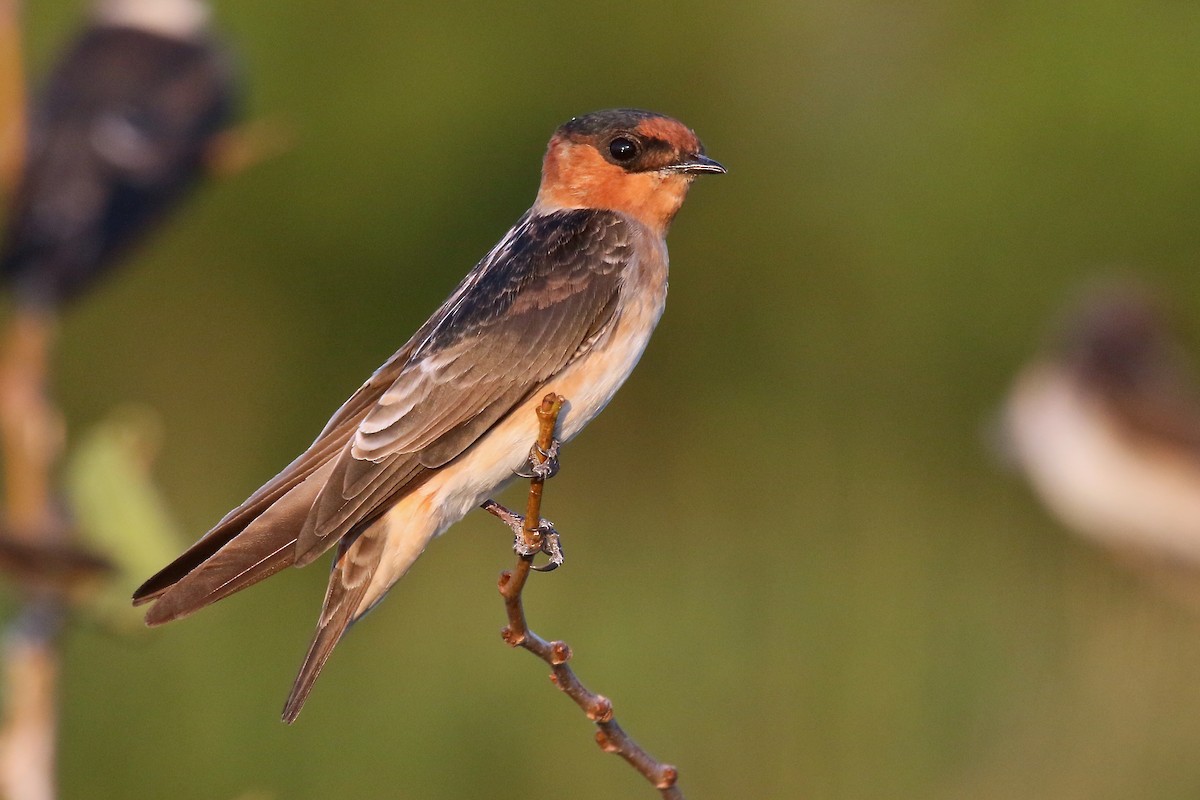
(669, 130)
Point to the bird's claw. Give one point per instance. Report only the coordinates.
(542, 464)
(548, 542)
(551, 546)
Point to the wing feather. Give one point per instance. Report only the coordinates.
(529, 309)
(535, 303)
(355, 565)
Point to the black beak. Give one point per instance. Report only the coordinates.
(698, 165)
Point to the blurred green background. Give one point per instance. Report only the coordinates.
(831, 590)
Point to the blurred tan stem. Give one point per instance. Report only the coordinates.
(234, 151)
(29, 737)
(30, 442)
(29, 426)
(31, 437)
(12, 98)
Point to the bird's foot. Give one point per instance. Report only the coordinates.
(548, 540)
(541, 463)
(551, 546)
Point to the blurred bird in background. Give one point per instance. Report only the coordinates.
(566, 302)
(124, 124)
(1106, 425)
(120, 131)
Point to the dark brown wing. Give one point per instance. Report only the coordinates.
(528, 307)
(119, 132)
(295, 487)
(526, 312)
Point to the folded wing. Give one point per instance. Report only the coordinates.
(533, 305)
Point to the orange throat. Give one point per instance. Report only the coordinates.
(578, 177)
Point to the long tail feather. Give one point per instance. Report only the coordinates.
(352, 572)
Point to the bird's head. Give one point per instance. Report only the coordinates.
(1117, 339)
(635, 162)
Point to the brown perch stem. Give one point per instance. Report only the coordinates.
(30, 441)
(12, 98)
(598, 708)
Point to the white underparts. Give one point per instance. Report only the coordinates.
(176, 19)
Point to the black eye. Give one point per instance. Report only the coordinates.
(623, 148)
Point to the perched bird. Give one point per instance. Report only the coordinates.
(1107, 427)
(117, 135)
(566, 302)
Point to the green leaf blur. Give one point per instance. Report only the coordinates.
(118, 511)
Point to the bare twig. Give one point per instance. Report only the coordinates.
(31, 668)
(31, 429)
(598, 708)
(236, 150)
(30, 441)
(12, 98)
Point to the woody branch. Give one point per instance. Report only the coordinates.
(30, 437)
(598, 708)
(12, 98)
(30, 430)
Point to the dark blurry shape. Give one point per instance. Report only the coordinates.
(1106, 424)
(565, 302)
(50, 563)
(120, 131)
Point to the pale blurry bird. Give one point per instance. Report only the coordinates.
(566, 302)
(1106, 424)
(119, 132)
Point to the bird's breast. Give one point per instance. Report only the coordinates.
(588, 384)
